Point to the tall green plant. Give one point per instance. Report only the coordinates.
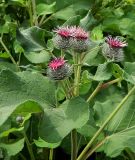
(65, 87)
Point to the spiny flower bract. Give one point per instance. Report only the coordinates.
(112, 49)
(115, 42)
(80, 41)
(59, 69)
(71, 37)
(62, 39)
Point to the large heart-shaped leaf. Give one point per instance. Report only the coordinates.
(32, 39)
(19, 88)
(117, 142)
(58, 122)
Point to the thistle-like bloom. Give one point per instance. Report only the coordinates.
(115, 42)
(59, 69)
(62, 40)
(80, 39)
(112, 49)
(71, 37)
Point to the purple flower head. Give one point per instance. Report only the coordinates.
(78, 33)
(56, 63)
(80, 42)
(58, 69)
(112, 49)
(63, 31)
(71, 37)
(115, 42)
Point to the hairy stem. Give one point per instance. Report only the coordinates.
(105, 124)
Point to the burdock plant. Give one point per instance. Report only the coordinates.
(76, 40)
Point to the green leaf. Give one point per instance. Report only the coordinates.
(111, 24)
(65, 13)
(103, 72)
(20, 88)
(87, 21)
(41, 143)
(11, 130)
(129, 74)
(50, 45)
(58, 122)
(17, 2)
(124, 27)
(85, 83)
(93, 58)
(75, 20)
(38, 57)
(13, 148)
(44, 9)
(32, 39)
(105, 108)
(117, 142)
(97, 33)
(7, 65)
(117, 71)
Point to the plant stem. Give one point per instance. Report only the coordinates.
(70, 89)
(105, 123)
(102, 86)
(77, 75)
(130, 154)
(8, 52)
(64, 88)
(34, 12)
(73, 144)
(29, 9)
(29, 146)
(43, 20)
(94, 92)
(22, 156)
(51, 154)
(89, 153)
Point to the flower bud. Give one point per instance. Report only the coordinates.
(58, 69)
(112, 49)
(19, 119)
(62, 39)
(81, 41)
(71, 37)
(80, 45)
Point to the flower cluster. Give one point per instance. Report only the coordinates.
(76, 38)
(112, 49)
(71, 37)
(59, 69)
